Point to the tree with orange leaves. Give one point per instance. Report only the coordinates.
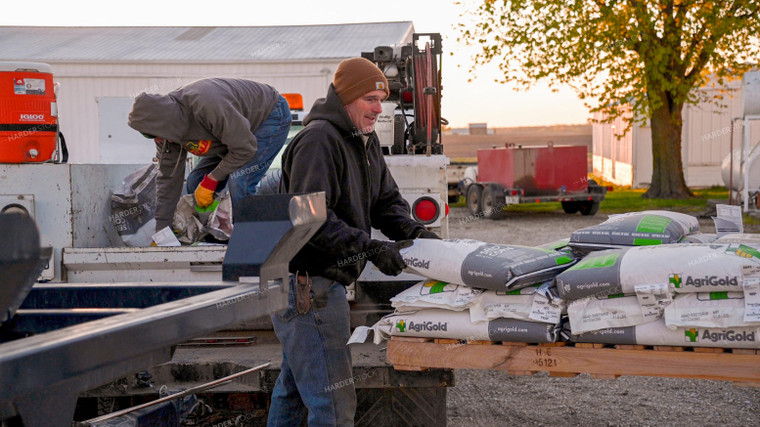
(646, 55)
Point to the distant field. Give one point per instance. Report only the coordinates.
(467, 146)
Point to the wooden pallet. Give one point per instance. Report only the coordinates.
(566, 360)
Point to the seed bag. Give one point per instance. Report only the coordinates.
(708, 310)
(686, 268)
(435, 294)
(483, 265)
(657, 333)
(635, 229)
(751, 238)
(699, 238)
(615, 311)
(437, 323)
(533, 303)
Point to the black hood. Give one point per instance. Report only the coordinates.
(331, 109)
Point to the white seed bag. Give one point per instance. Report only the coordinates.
(435, 294)
(707, 310)
(686, 268)
(657, 333)
(635, 229)
(483, 265)
(592, 314)
(531, 304)
(437, 323)
(752, 238)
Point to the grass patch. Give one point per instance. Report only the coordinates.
(626, 199)
(631, 200)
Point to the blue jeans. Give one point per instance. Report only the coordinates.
(316, 361)
(270, 137)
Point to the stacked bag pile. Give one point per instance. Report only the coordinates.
(642, 278)
(477, 291)
(640, 286)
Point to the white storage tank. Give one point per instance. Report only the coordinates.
(751, 93)
(751, 96)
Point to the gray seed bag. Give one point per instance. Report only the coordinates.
(635, 229)
(483, 265)
(686, 268)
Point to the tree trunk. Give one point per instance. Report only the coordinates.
(667, 168)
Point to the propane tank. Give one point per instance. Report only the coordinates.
(738, 171)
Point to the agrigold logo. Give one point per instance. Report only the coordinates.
(401, 326)
(415, 262)
(675, 280)
(678, 281)
(428, 326)
(693, 335)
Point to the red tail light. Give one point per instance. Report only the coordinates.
(407, 96)
(425, 210)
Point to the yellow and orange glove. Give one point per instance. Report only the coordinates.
(204, 194)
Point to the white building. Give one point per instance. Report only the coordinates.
(705, 139)
(101, 69)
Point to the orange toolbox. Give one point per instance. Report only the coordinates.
(28, 113)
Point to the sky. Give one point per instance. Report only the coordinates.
(463, 102)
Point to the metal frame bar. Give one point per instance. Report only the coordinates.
(73, 359)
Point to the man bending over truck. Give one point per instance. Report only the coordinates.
(338, 153)
(236, 126)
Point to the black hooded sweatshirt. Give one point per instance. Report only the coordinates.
(330, 155)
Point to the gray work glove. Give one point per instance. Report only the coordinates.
(386, 256)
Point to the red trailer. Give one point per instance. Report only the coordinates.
(513, 175)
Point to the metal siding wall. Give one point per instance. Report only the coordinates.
(82, 84)
(612, 157)
(707, 129)
(705, 142)
(707, 135)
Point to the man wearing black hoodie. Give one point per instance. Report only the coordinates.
(236, 126)
(338, 153)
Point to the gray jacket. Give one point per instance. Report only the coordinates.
(209, 117)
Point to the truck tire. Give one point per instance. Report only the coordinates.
(491, 202)
(454, 193)
(570, 207)
(589, 208)
(474, 193)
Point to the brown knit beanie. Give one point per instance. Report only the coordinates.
(356, 77)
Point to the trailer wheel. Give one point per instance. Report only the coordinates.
(589, 208)
(474, 192)
(489, 202)
(570, 207)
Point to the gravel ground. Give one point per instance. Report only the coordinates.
(489, 398)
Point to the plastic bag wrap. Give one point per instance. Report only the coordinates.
(133, 210)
